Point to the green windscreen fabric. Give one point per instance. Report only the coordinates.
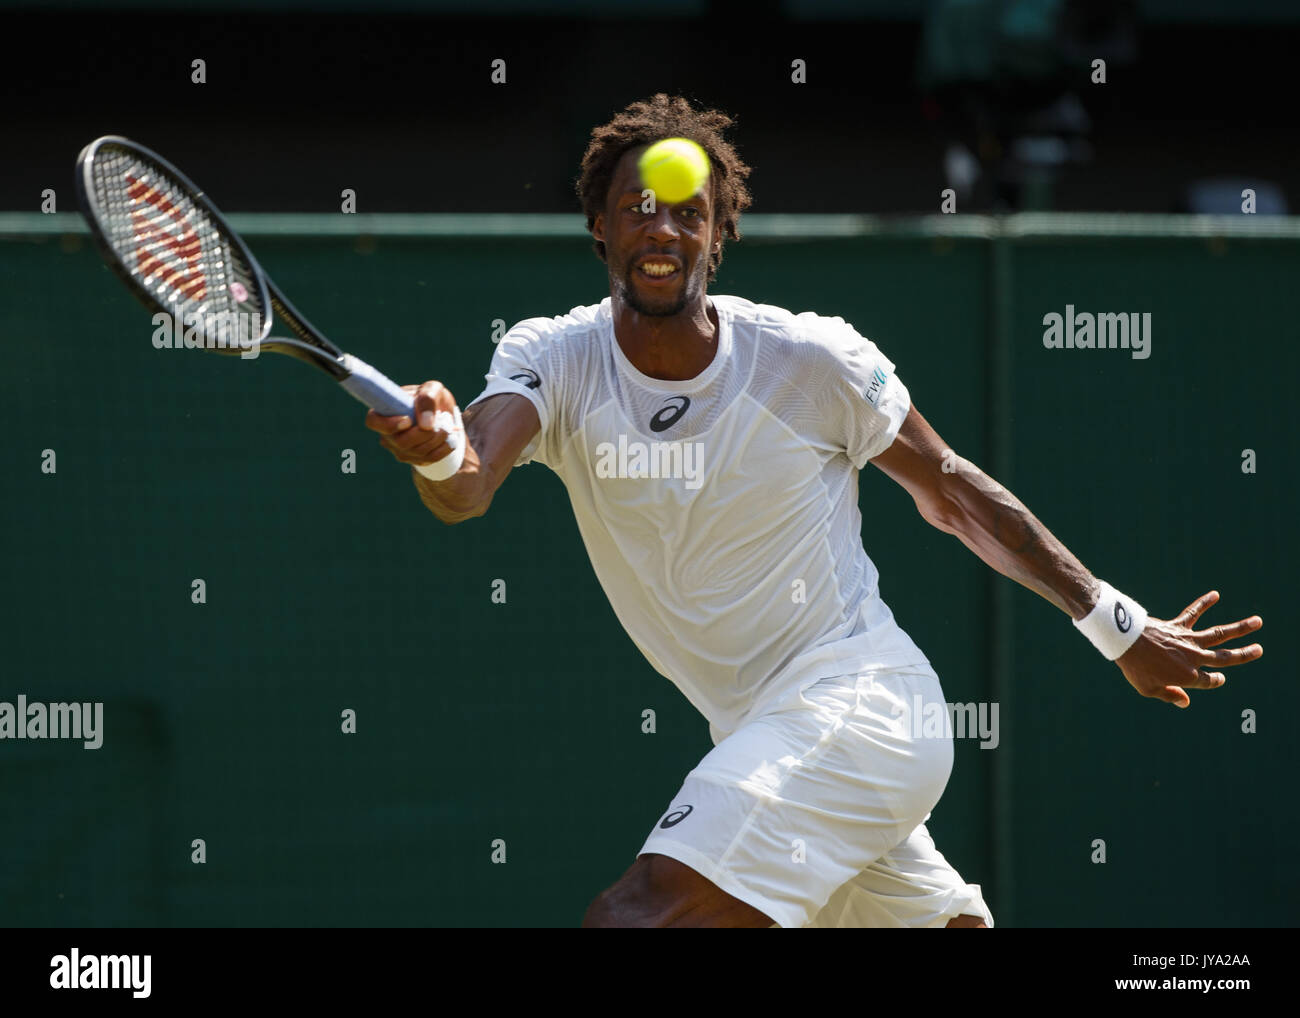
(500, 772)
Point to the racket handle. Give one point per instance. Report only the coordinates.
(384, 396)
(375, 389)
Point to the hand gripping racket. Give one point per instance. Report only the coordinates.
(172, 248)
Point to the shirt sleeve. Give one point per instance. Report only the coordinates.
(521, 365)
(868, 403)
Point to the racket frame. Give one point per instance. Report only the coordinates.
(309, 346)
(354, 376)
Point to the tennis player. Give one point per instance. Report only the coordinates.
(711, 449)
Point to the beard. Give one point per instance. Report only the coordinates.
(664, 306)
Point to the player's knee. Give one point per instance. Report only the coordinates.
(616, 908)
(602, 914)
(646, 896)
(611, 908)
(594, 918)
(967, 922)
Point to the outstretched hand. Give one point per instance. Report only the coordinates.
(1169, 657)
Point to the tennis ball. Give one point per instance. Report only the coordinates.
(674, 169)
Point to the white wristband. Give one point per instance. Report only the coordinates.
(449, 464)
(1114, 624)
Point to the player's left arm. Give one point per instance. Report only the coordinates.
(953, 495)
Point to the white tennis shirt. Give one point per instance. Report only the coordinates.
(721, 513)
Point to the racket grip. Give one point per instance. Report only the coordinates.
(384, 396)
(375, 389)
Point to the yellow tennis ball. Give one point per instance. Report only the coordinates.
(674, 169)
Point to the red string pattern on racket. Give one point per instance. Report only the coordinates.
(165, 241)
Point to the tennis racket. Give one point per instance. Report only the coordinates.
(172, 248)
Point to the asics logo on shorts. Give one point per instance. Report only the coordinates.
(676, 817)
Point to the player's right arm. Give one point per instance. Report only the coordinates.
(497, 430)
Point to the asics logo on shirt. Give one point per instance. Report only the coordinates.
(670, 414)
(529, 378)
(676, 817)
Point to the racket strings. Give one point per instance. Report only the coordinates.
(171, 246)
(167, 245)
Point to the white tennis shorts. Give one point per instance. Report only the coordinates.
(815, 813)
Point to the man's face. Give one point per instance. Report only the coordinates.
(658, 261)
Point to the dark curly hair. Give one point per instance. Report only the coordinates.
(644, 123)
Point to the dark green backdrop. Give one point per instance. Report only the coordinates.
(522, 721)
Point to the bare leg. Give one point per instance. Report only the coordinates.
(658, 891)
